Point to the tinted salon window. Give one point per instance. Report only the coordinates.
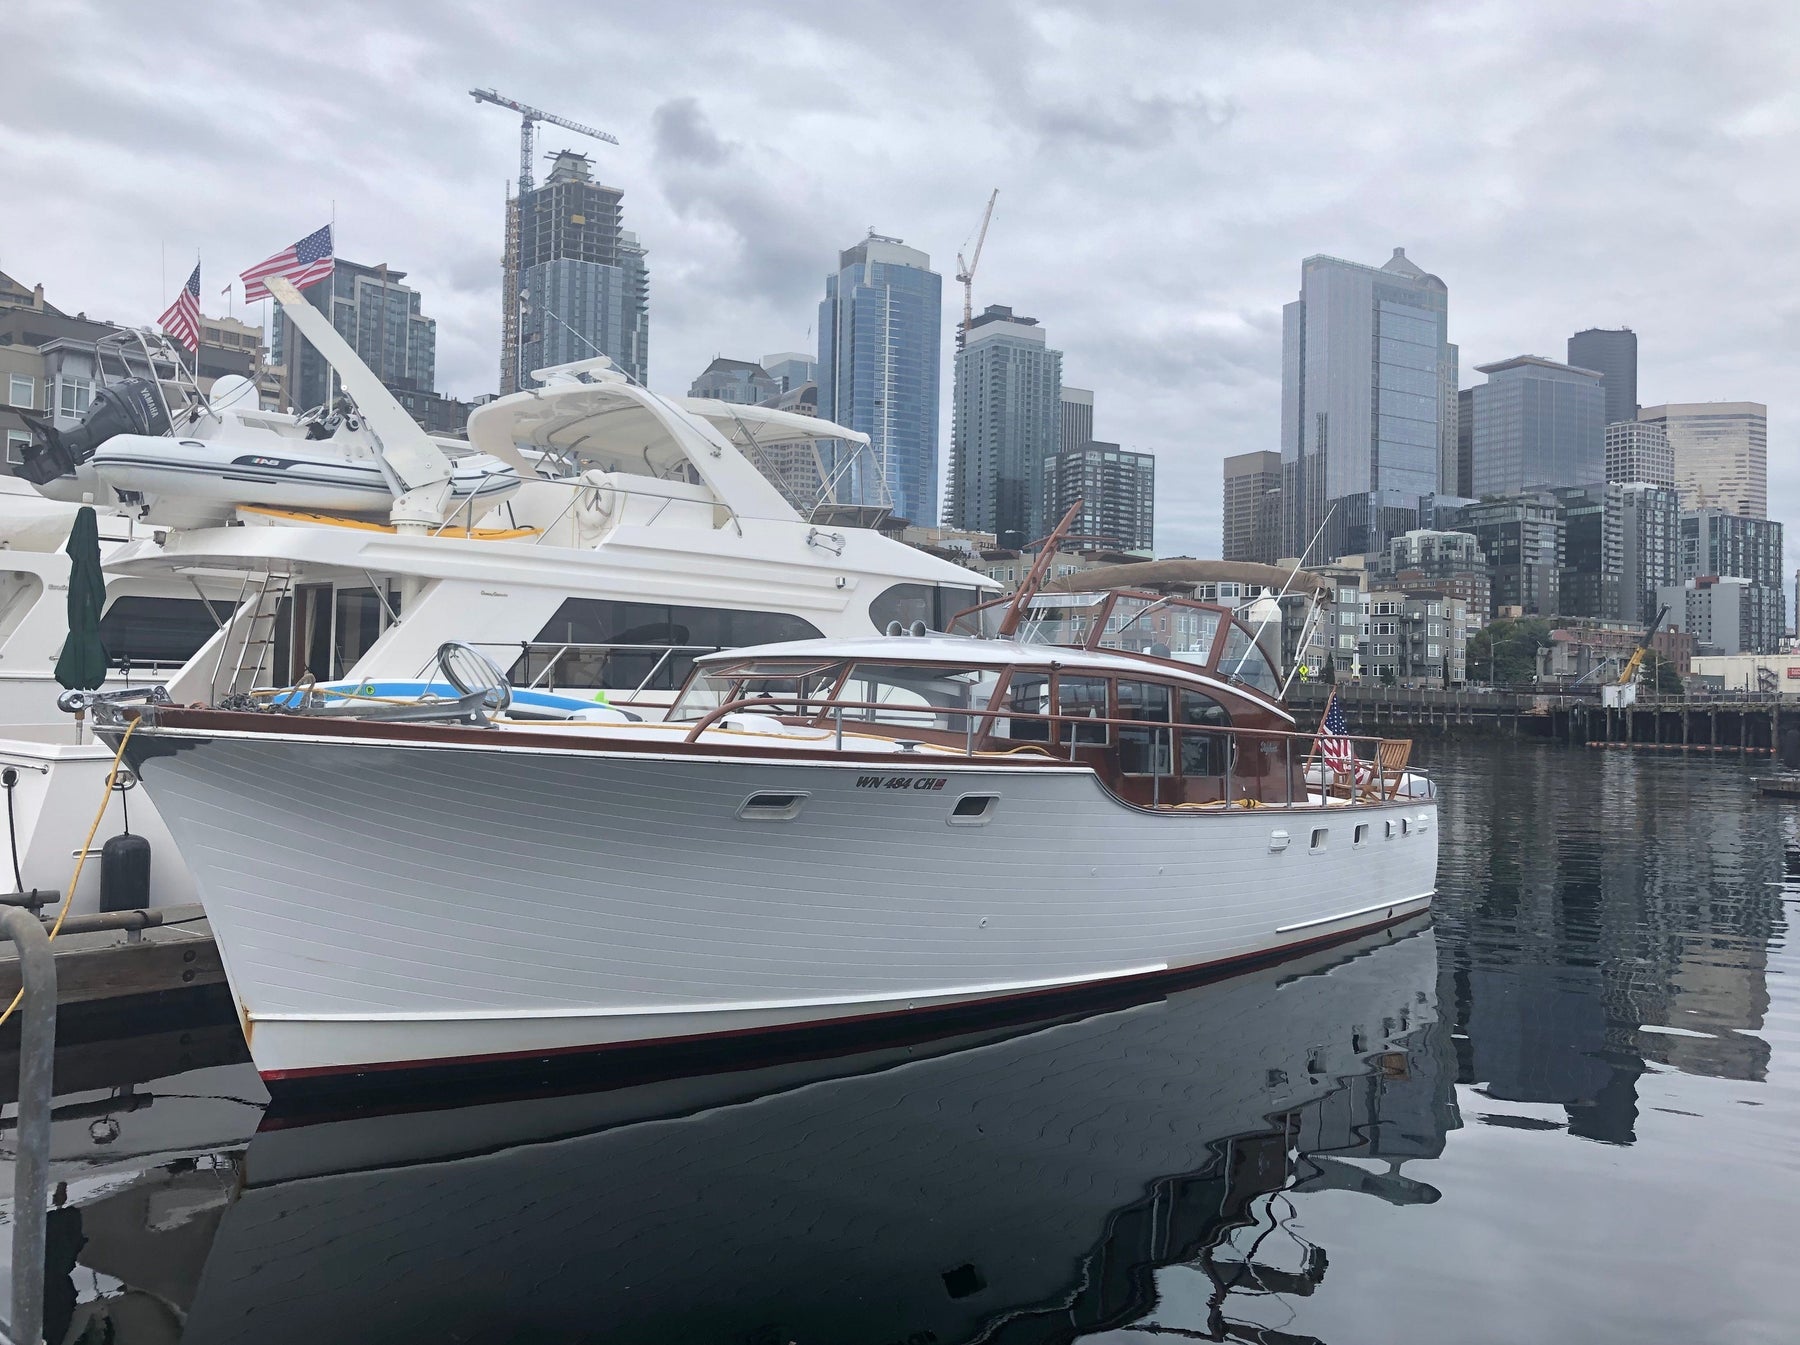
(641, 635)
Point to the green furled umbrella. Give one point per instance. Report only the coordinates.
(82, 663)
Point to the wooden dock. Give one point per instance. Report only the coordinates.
(173, 953)
(1778, 786)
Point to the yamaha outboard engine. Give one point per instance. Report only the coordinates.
(130, 406)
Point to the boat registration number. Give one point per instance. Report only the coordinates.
(901, 781)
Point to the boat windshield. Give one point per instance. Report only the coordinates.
(1172, 628)
(918, 697)
(795, 687)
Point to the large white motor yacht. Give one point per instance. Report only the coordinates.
(819, 833)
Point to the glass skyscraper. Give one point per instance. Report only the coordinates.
(1368, 402)
(1007, 422)
(1612, 355)
(880, 334)
(378, 316)
(1538, 424)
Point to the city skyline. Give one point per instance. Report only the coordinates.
(1151, 209)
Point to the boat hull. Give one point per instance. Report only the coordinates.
(392, 904)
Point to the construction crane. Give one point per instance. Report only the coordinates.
(1629, 671)
(529, 118)
(965, 271)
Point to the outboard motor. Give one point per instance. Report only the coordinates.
(130, 406)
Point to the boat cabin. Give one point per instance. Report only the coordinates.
(1172, 702)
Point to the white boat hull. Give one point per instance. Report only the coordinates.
(511, 902)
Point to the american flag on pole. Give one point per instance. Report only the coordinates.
(306, 263)
(181, 319)
(1334, 737)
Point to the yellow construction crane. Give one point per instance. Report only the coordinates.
(965, 271)
(1629, 672)
(529, 118)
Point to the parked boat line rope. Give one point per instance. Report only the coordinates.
(81, 854)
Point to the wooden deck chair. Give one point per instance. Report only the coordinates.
(1391, 756)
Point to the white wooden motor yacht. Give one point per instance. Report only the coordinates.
(820, 833)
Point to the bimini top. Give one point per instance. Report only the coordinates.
(593, 418)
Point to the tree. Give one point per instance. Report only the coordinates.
(1660, 675)
(1330, 670)
(1504, 652)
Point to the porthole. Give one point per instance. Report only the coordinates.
(1319, 837)
(973, 810)
(1361, 835)
(771, 807)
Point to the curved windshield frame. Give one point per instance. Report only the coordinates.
(791, 688)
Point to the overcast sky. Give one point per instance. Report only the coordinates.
(1162, 168)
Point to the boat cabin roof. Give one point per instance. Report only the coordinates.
(1221, 653)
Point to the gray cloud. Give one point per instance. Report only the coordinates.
(1162, 170)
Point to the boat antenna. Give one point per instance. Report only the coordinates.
(1306, 630)
(1034, 579)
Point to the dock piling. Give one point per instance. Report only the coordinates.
(37, 1059)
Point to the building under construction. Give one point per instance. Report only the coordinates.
(577, 284)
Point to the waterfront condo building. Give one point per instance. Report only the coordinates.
(1368, 403)
(1250, 515)
(1117, 490)
(1006, 423)
(1417, 637)
(1637, 450)
(1649, 546)
(582, 285)
(1614, 356)
(1721, 453)
(880, 334)
(1537, 424)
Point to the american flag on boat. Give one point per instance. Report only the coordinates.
(1334, 737)
(181, 319)
(306, 263)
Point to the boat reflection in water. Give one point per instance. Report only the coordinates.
(1014, 1184)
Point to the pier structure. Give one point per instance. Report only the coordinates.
(1746, 725)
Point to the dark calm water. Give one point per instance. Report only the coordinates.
(1562, 1109)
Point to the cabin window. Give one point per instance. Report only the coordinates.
(1145, 751)
(602, 643)
(1026, 694)
(1246, 663)
(1084, 697)
(155, 632)
(917, 697)
(934, 604)
(1203, 753)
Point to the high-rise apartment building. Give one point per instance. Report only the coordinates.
(1637, 450)
(1593, 554)
(1612, 355)
(1077, 417)
(1250, 522)
(1522, 538)
(1117, 490)
(1726, 614)
(1715, 542)
(378, 316)
(1721, 454)
(1007, 421)
(1537, 425)
(880, 332)
(1650, 546)
(1368, 401)
(582, 287)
